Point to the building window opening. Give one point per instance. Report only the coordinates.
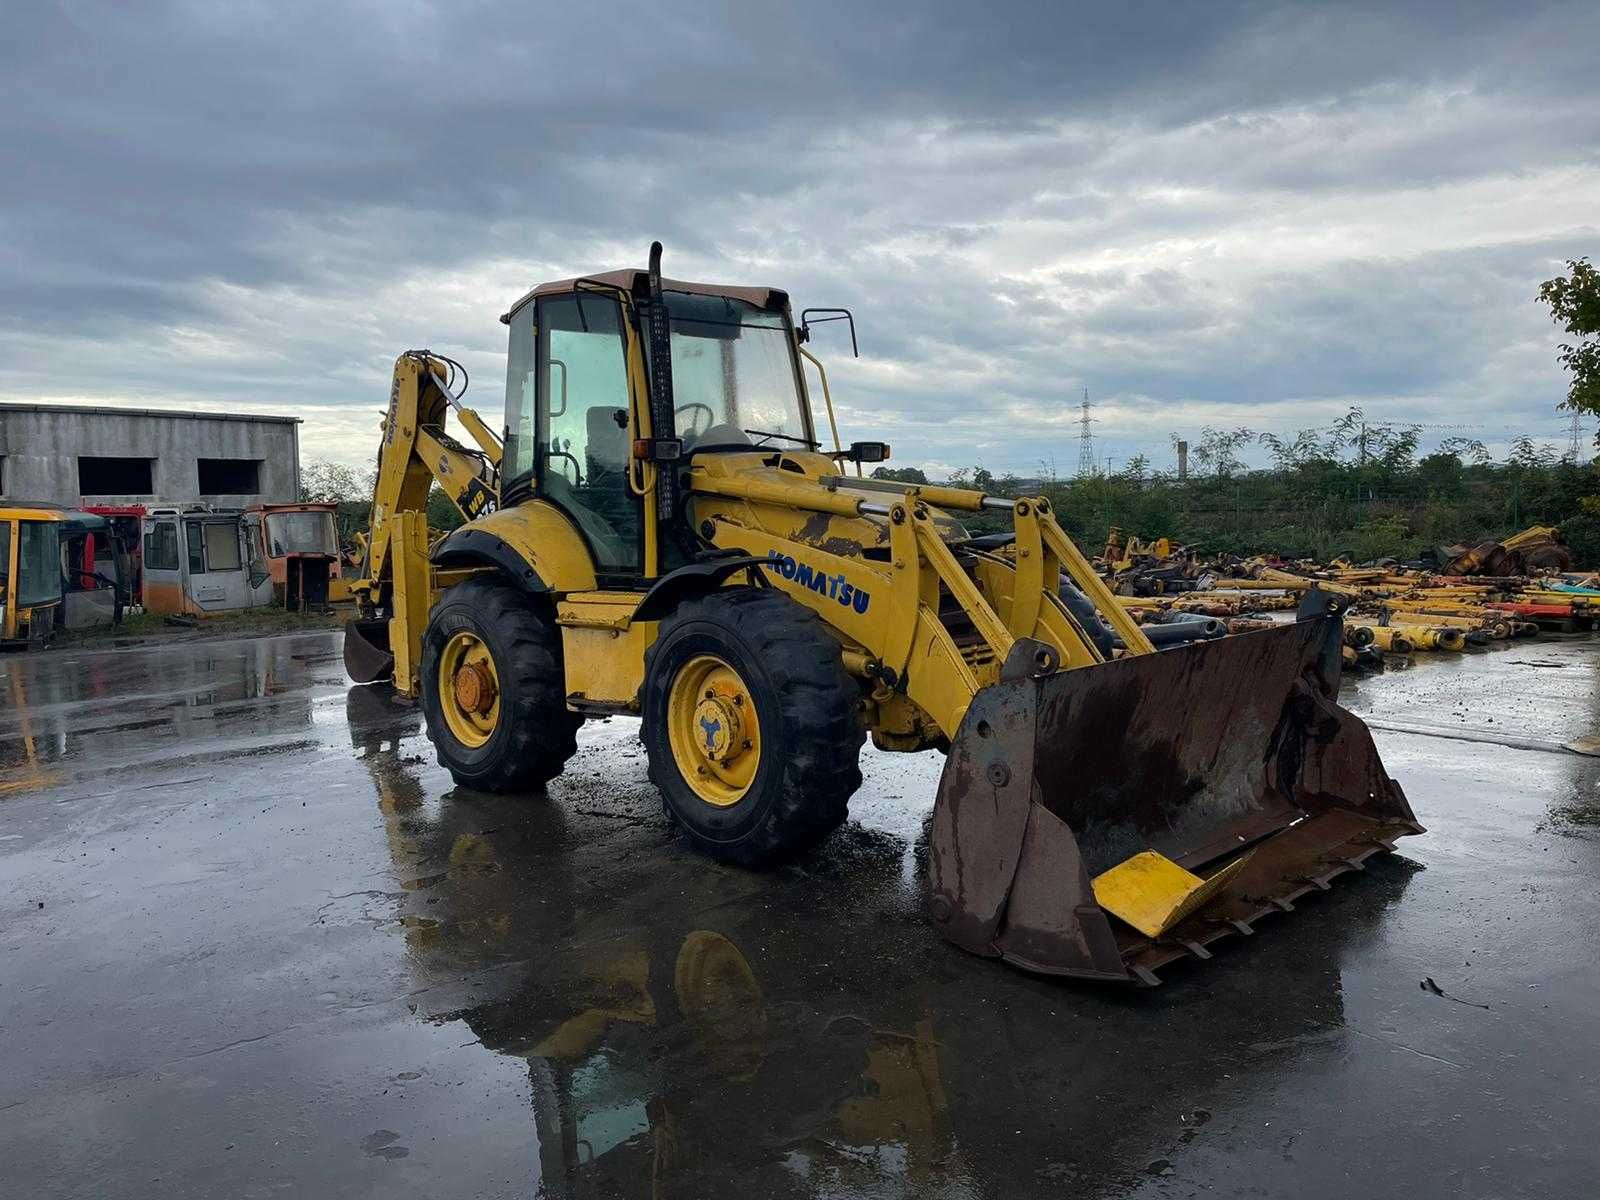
(98, 476)
(230, 476)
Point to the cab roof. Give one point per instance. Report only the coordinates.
(31, 510)
(637, 282)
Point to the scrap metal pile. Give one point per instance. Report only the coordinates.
(1181, 596)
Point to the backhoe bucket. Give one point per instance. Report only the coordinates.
(1105, 821)
(367, 657)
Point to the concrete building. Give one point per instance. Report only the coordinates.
(73, 454)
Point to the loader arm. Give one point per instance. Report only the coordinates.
(1100, 813)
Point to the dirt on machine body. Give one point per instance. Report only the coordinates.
(663, 532)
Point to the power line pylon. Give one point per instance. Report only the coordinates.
(1085, 439)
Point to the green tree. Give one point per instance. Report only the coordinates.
(442, 512)
(1441, 476)
(1218, 450)
(1574, 300)
(331, 482)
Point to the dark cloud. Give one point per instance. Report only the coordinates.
(1193, 210)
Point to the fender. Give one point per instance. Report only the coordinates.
(532, 544)
(673, 588)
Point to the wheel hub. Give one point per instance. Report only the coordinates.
(475, 688)
(716, 718)
(713, 730)
(468, 689)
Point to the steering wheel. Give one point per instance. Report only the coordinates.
(711, 418)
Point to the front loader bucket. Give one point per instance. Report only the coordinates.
(367, 657)
(1220, 780)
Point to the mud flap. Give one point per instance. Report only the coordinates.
(367, 657)
(1198, 754)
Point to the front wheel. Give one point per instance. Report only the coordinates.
(493, 689)
(751, 724)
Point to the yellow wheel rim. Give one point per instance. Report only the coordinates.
(713, 730)
(469, 689)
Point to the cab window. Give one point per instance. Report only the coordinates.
(582, 438)
(161, 546)
(38, 562)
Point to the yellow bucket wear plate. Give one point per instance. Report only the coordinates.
(1152, 893)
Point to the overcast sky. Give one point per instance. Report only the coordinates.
(1256, 214)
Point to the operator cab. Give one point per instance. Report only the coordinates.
(30, 572)
(572, 419)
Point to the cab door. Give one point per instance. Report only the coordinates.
(162, 580)
(258, 578)
(583, 439)
(8, 581)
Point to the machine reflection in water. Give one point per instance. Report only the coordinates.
(52, 720)
(659, 1059)
(692, 1030)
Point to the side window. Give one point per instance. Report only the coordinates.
(258, 564)
(222, 546)
(584, 444)
(197, 547)
(161, 546)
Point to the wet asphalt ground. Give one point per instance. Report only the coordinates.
(252, 943)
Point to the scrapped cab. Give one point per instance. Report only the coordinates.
(300, 547)
(30, 573)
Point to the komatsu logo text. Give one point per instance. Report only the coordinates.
(835, 587)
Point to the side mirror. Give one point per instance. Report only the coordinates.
(866, 452)
(658, 449)
(807, 320)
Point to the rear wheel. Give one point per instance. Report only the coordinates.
(751, 724)
(493, 689)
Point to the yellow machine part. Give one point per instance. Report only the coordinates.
(547, 541)
(1152, 893)
(603, 648)
(978, 649)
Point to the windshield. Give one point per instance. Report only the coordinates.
(300, 533)
(38, 562)
(732, 372)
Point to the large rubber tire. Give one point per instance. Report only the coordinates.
(809, 713)
(535, 733)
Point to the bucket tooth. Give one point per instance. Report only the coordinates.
(1241, 927)
(1145, 976)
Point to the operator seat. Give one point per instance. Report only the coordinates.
(607, 448)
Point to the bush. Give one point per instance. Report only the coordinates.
(1582, 534)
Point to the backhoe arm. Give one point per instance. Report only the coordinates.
(416, 452)
(394, 594)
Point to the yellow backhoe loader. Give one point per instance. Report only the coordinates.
(663, 533)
